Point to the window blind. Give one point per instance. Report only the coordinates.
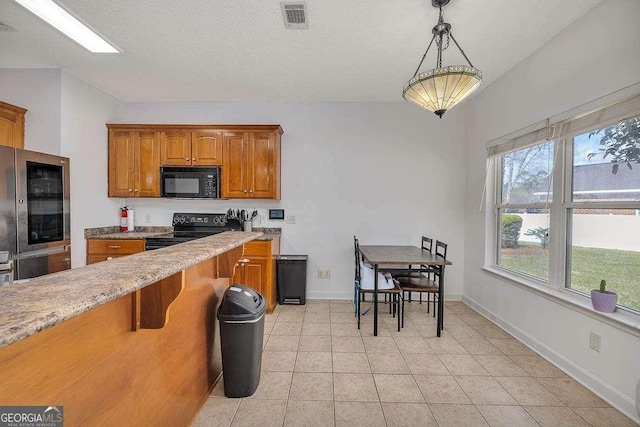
(542, 132)
(555, 128)
(600, 118)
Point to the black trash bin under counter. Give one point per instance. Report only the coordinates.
(292, 279)
(241, 316)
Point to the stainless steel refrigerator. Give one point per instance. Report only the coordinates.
(34, 211)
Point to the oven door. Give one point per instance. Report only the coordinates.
(189, 183)
(42, 201)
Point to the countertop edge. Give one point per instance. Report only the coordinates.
(14, 328)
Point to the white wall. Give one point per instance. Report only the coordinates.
(85, 110)
(579, 65)
(37, 90)
(592, 231)
(385, 172)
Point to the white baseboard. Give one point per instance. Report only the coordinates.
(614, 397)
(349, 296)
(330, 295)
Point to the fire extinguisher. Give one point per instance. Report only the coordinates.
(123, 219)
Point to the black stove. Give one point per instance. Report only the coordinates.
(190, 226)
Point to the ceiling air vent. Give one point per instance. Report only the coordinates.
(5, 27)
(295, 15)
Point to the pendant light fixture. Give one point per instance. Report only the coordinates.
(441, 88)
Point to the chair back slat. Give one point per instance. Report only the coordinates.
(427, 244)
(441, 251)
(356, 250)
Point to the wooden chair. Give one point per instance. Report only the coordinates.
(423, 283)
(427, 246)
(386, 286)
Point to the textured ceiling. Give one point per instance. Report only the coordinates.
(239, 50)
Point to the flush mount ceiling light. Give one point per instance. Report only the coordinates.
(64, 22)
(441, 88)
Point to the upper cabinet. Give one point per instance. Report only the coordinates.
(11, 125)
(191, 148)
(134, 163)
(249, 157)
(251, 165)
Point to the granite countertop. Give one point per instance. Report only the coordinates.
(269, 233)
(129, 235)
(42, 302)
(115, 233)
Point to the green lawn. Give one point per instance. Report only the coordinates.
(621, 269)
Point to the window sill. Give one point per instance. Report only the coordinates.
(622, 320)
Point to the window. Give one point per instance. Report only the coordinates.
(525, 177)
(566, 210)
(604, 212)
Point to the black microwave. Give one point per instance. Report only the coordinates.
(190, 182)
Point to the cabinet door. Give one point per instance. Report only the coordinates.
(206, 148)
(255, 274)
(147, 155)
(121, 166)
(238, 274)
(175, 148)
(92, 259)
(262, 183)
(11, 125)
(234, 165)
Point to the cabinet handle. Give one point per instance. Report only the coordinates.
(243, 260)
(245, 191)
(135, 191)
(114, 246)
(130, 190)
(193, 159)
(250, 191)
(186, 158)
(109, 258)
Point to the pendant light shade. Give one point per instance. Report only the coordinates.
(441, 88)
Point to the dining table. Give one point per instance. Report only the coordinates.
(378, 255)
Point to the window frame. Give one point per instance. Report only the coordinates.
(498, 205)
(560, 215)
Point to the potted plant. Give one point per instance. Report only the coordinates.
(603, 300)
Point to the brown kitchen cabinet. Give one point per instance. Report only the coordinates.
(11, 125)
(191, 148)
(134, 163)
(105, 249)
(251, 165)
(249, 156)
(257, 269)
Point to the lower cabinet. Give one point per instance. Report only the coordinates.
(257, 269)
(105, 249)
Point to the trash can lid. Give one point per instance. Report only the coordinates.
(293, 257)
(241, 302)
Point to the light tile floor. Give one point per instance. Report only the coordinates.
(318, 369)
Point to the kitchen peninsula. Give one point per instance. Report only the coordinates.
(132, 341)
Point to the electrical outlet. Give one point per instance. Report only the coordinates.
(291, 219)
(324, 274)
(147, 218)
(594, 342)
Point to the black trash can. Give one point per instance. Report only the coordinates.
(292, 279)
(241, 317)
